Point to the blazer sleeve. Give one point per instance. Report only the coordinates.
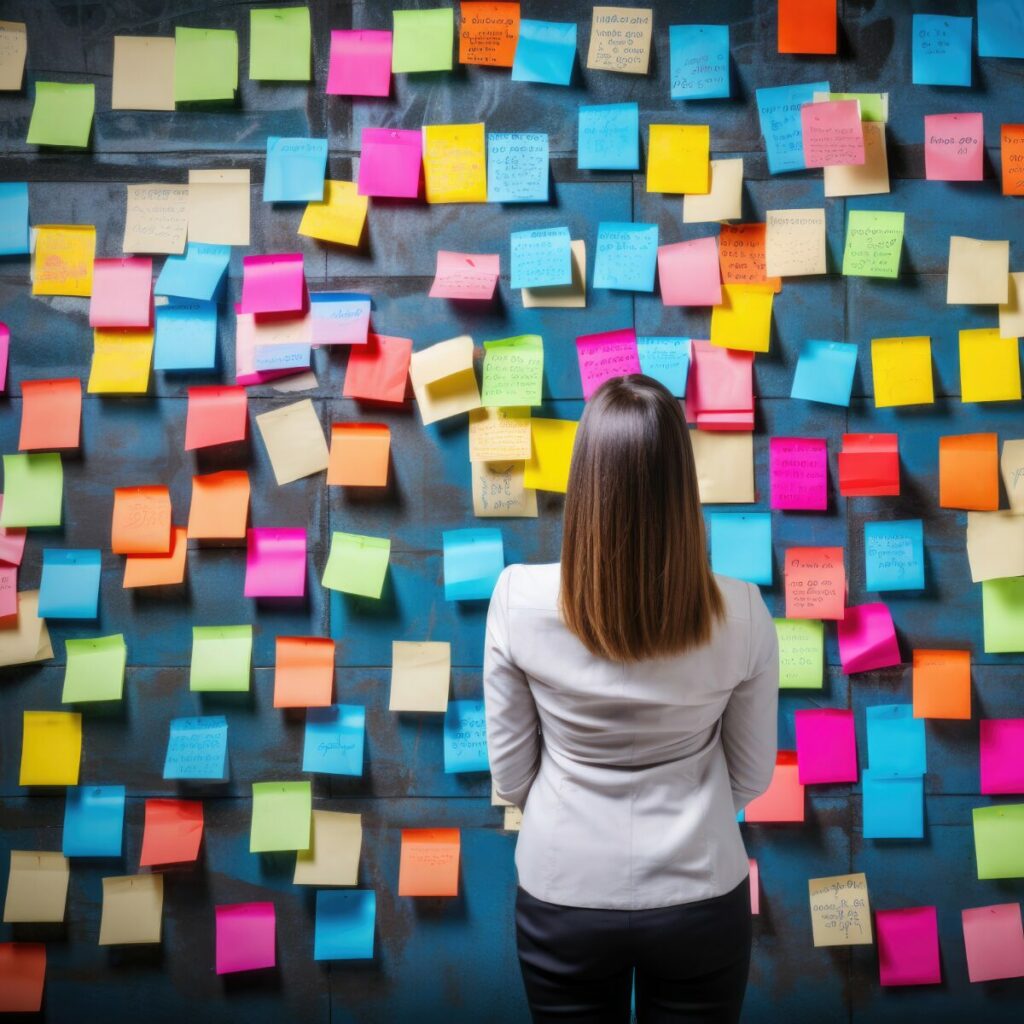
(750, 721)
(513, 740)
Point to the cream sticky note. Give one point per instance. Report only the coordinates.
(1011, 313)
(678, 158)
(335, 842)
(218, 206)
(989, 367)
(840, 910)
(795, 243)
(901, 369)
(51, 748)
(724, 200)
(499, 491)
(29, 639)
(13, 51)
(867, 179)
(979, 271)
(725, 465)
(499, 435)
(295, 442)
(37, 887)
(995, 545)
(62, 264)
(156, 219)
(420, 675)
(133, 910)
(143, 74)
(443, 379)
(620, 39)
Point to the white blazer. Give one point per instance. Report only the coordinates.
(629, 776)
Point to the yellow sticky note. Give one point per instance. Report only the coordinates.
(840, 910)
(454, 165)
(51, 748)
(547, 469)
(63, 259)
(901, 369)
(120, 362)
(743, 319)
(989, 366)
(678, 158)
(339, 218)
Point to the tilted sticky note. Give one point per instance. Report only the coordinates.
(295, 441)
(466, 276)
(969, 472)
(954, 147)
(93, 821)
(605, 356)
(422, 40)
(443, 379)
(216, 415)
(869, 178)
(741, 545)
(51, 748)
(195, 275)
(894, 555)
(626, 255)
(801, 653)
(517, 167)
(699, 62)
(28, 639)
(545, 52)
(901, 370)
(69, 587)
(221, 657)
(62, 114)
(205, 64)
(279, 44)
(1011, 153)
(867, 638)
(473, 560)
(357, 564)
(454, 163)
(824, 372)
(608, 137)
(677, 158)
(548, 466)
(499, 490)
(281, 814)
(334, 739)
(378, 371)
(158, 570)
(295, 169)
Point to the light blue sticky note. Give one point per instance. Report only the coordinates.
(186, 336)
(70, 584)
(196, 274)
(824, 372)
(281, 357)
(779, 113)
(13, 218)
(741, 545)
(626, 256)
(541, 258)
(197, 748)
(339, 317)
(334, 739)
(893, 805)
(344, 924)
(517, 167)
(295, 170)
(473, 560)
(93, 821)
(941, 50)
(666, 360)
(609, 137)
(465, 737)
(1000, 28)
(699, 61)
(545, 52)
(894, 554)
(896, 740)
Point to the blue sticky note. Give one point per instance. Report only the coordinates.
(197, 748)
(517, 167)
(609, 137)
(13, 218)
(626, 256)
(824, 372)
(334, 739)
(541, 258)
(345, 922)
(186, 336)
(281, 357)
(893, 805)
(894, 554)
(941, 50)
(779, 113)
(545, 52)
(70, 584)
(93, 821)
(741, 545)
(465, 737)
(1000, 28)
(666, 360)
(196, 274)
(295, 170)
(699, 61)
(896, 740)
(473, 560)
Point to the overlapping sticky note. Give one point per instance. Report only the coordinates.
(743, 319)
(626, 255)
(281, 816)
(221, 658)
(332, 858)
(832, 133)
(443, 379)
(666, 359)
(378, 371)
(357, 564)
(156, 218)
(689, 273)
(339, 318)
(541, 258)
(783, 800)
(141, 521)
(195, 275)
(334, 739)
(867, 638)
(513, 371)
(778, 110)
(122, 292)
(869, 466)
(724, 199)
(465, 737)
(473, 560)
(27, 639)
(795, 243)
(677, 158)
(604, 356)
(720, 391)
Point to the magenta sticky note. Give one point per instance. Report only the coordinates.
(908, 946)
(390, 160)
(826, 746)
(273, 284)
(462, 275)
(720, 388)
(8, 590)
(245, 937)
(12, 541)
(360, 63)
(994, 941)
(122, 292)
(799, 473)
(252, 331)
(1002, 755)
(606, 355)
(954, 147)
(275, 564)
(689, 273)
(5, 351)
(867, 638)
(833, 134)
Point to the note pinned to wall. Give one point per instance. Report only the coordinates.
(778, 111)
(172, 833)
(357, 564)
(826, 746)
(894, 554)
(295, 441)
(605, 356)
(122, 292)
(620, 39)
(807, 26)
(197, 275)
(334, 847)
(94, 669)
(741, 253)
(893, 804)
(273, 284)
(156, 218)
(37, 887)
(360, 63)
(218, 208)
(867, 638)
(783, 800)
(429, 862)
(345, 921)
(93, 821)
(626, 255)
(743, 319)
(825, 371)
(969, 472)
(840, 910)
(420, 675)
(246, 937)
(280, 44)
(989, 366)
(979, 271)
(455, 163)
(303, 671)
(541, 258)
(360, 455)
(896, 739)
(378, 371)
(28, 640)
(133, 907)
(465, 276)
(295, 169)
(517, 166)
(14, 232)
(867, 179)
(993, 942)
(1000, 31)
(513, 372)
(901, 370)
(33, 490)
(954, 147)
(51, 748)
(13, 51)
(941, 52)
(795, 243)
(219, 508)
(216, 415)
(666, 359)
(678, 158)
(1002, 610)
(488, 32)
(465, 737)
(1002, 770)
(339, 217)
(121, 361)
(724, 200)
(443, 379)
(1011, 153)
(143, 75)
(874, 242)
(815, 583)
(567, 296)
(205, 65)
(1011, 466)
(608, 137)
(390, 162)
(334, 739)
(500, 491)
(281, 816)
(51, 414)
(869, 466)
(221, 659)
(689, 273)
(999, 840)
(801, 653)
(422, 40)
(197, 748)
(141, 521)
(741, 545)
(832, 133)
(473, 560)
(158, 570)
(62, 115)
(63, 259)
(799, 473)
(275, 564)
(547, 469)
(699, 62)
(942, 684)
(545, 52)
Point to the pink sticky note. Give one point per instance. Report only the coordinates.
(867, 638)
(8, 590)
(826, 747)
(5, 349)
(217, 414)
(12, 541)
(462, 275)
(720, 389)
(273, 284)
(251, 331)
(799, 473)
(606, 355)
(994, 940)
(755, 887)
(833, 133)
(389, 162)
(360, 63)
(122, 292)
(689, 273)
(954, 147)
(338, 320)
(1002, 755)
(908, 946)
(275, 564)
(245, 937)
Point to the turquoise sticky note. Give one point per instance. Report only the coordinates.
(778, 109)
(545, 52)
(894, 554)
(465, 737)
(941, 50)
(473, 560)
(893, 805)
(1000, 28)
(896, 740)
(699, 61)
(196, 274)
(93, 821)
(197, 748)
(741, 545)
(13, 218)
(69, 587)
(517, 167)
(344, 924)
(541, 258)
(666, 360)
(626, 256)
(334, 739)
(824, 372)
(295, 170)
(186, 336)
(609, 137)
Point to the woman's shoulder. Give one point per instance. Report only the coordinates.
(530, 586)
(742, 600)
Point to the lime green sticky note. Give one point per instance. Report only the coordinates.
(279, 44)
(281, 813)
(874, 106)
(422, 40)
(33, 488)
(874, 241)
(999, 840)
(205, 64)
(357, 564)
(513, 371)
(221, 656)
(62, 114)
(1002, 610)
(95, 669)
(801, 653)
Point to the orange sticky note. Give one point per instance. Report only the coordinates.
(173, 831)
(220, 505)
(815, 583)
(158, 570)
(488, 33)
(1013, 159)
(216, 415)
(807, 26)
(22, 974)
(51, 414)
(142, 521)
(429, 863)
(942, 684)
(783, 800)
(303, 672)
(360, 453)
(741, 255)
(969, 472)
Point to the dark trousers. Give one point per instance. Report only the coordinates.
(691, 960)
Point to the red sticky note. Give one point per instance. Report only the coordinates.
(604, 356)
(429, 862)
(869, 466)
(273, 284)
(994, 941)
(833, 134)
(815, 583)
(689, 273)
(826, 747)
(360, 63)
(390, 162)
(122, 292)
(51, 414)
(173, 831)
(1002, 755)
(462, 275)
(378, 371)
(807, 26)
(141, 524)
(954, 147)
(908, 946)
(22, 974)
(216, 415)
(275, 563)
(12, 541)
(867, 638)
(783, 800)
(720, 389)
(246, 937)
(799, 473)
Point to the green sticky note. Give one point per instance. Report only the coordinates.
(874, 241)
(33, 488)
(279, 44)
(221, 656)
(422, 40)
(513, 371)
(95, 669)
(801, 653)
(874, 106)
(999, 840)
(281, 813)
(205, 64)
(62, 114)
(1002, 609)
(357, 564)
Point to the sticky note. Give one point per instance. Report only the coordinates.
(954, 147)
(345, 921)
(608, 137)
(941, 50)
(275, 563)
(699, 62)
(221, 656)
(95, 669)
(605, 356)
(1012, 159)
(465, 737)
(795, 243)
(279, 44)
(893, 804)
(360, 63)
(5, 351)
(51, 412)
(783, 800)
(995, 545)
(443, 379)
(341, 214)
(824, 372)
(666, 359)
(488, 32)
(303, 671)
(429, 862)
(548, 466)
(901, 370)
(294, 440)
(799, 473)
(626, 255)
(70, 584)
(545, 52)
(132, 910)
(677, 158)
(120, 361)
(12, 542)
(969, 472)
(569, 296)
(156, 218)
(725, 465)
(724, 200)
(62, 114)
(51, 748)
(280, 816)
(743, 319)
(420, 675)
(196, 275)
(93, 821)
(13, 217)
(197, 748)
(517, 167)
(807, 26)
(874, 241)
(832, 133)
(942, 684)
(741, 254)
(894, 555)
(499, 490)
(246, 937)
(273, 284)
(978, 271)
(815, 583)
(999, 840)
(1000, 34)
(741, 545)
(908, 939)
(466, 276)
(869, 465)
(867, 179)
(205, 64)
(220, 505)
(454, 163)
(1002, 768)
(422, 40)
(1011, 312)
(216, 415)
(22, 964)
(390, 162)
(513, 371)
(801, 653)
(357, 564)
(359, 455)
(141, 522)
(158, 570)
(332, 858)
(540, 258)
(172, 833)
(896, 740)
(339, 318)
(620, 39)
(37, 887)
(867, 638)
(9, 593)
(840, 909)
(778, 110)
(219, 206)
(33, 488)
(720, 395)
(334, 739)
(993, 936)
(826, 747)
(143, 74)
(473, 560)
(27, 639)
(295, 169)
(378, 370)
(13, 51)
(1002, 604)
(63, 259)
(688, 273)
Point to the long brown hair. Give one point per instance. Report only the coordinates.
(635, 580)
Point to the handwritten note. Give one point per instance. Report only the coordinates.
(500, 491)
(197, 748)
(1012, 159)
(429, 862)
(901, 370)
(840, 910)
(141, 522)
(866, 179)
(795, 243)
(626, 256)
(941, 51)
(63, 259)
(156, 218)
(741, 253)
(295, 169)
(608, 137)
(467, 276)
(799, 473)
(801, 653)
(488, 32)
(454, 163)
(541, 258)
(334, 738)
(832, 133)
(666, 359)
(779, 109)
(815, 583)
(517, 166)
(620, 39)
(874, 241)
(894, 554)
(513, 371)
(954, 147)
(699, 61)
(604, 356)
(465, 737)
